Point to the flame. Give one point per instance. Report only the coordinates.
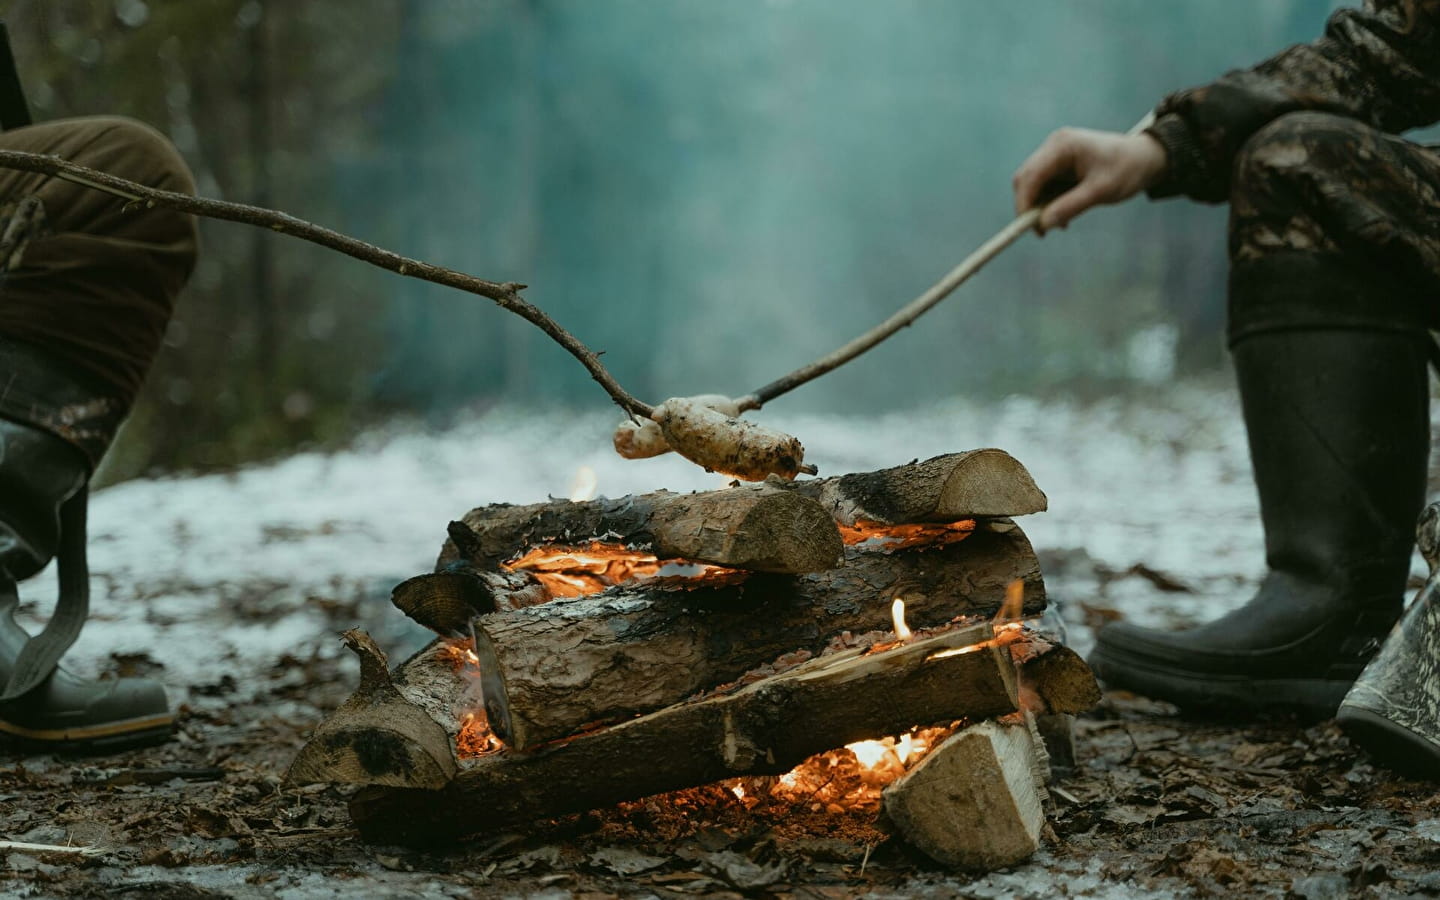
(848, 779)
(577, 571)
(1013, 607)
(459, 653)
(897, 618)
(889, 538)
(584, 485)
(474, 737)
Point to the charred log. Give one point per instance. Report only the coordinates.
(764, 728)
(550, 670)
(757, 527)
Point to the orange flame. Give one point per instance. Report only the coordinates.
(889, 538)
(474, 737)
(1013, 607)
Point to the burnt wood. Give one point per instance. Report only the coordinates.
(764, 728)
(756, 527)
(550, 670)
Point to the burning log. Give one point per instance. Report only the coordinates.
(381, 736)
(548, 671)
(946, 488)
(756, 527)
(977, 801)
(764, 728)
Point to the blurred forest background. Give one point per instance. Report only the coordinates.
(711, 193)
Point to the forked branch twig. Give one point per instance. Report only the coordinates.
(506, 295)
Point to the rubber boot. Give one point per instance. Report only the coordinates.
(38, 473)
(1338, 422)
(1393, 710)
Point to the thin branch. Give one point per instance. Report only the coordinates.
(506, 295)
(901, 319)
(915, 308)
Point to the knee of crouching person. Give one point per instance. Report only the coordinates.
(1295, 146)
(138, 152)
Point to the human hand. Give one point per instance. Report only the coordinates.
(1094, 167)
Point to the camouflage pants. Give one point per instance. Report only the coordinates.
(1359, 209)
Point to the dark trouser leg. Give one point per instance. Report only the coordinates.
(81, 317)
(1335, 252)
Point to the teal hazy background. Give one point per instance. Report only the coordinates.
(711, 193)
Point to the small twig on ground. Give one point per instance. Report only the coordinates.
(24, 847)
(506, 295)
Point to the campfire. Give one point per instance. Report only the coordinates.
(848, 643)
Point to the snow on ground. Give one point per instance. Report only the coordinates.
(1162, 481)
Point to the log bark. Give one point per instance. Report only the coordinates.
(550, 670)
(757, 527)
(447, 602)
(977, 801)
(946, 488)
(764, 728)
(381, 735)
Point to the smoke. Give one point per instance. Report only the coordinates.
(716, 193)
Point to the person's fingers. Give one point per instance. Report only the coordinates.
(1073, 202)
(1054, 158)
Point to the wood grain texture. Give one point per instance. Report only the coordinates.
(975, 483)
(756, 527)
(977, 801)
(550, 670)
(764, 728)
(381, 735)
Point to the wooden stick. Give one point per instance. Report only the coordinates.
(505, 294)
(912, 310)
(907, 314)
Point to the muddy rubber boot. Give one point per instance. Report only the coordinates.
(1393, 711)
(39, 475)
(1338, 422)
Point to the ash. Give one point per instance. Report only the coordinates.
(233, 589)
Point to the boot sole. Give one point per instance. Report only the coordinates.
(1223, 696)
(1393, 746)
(104, 737)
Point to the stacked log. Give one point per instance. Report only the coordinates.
(557, 675)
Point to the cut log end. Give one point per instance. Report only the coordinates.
(377, 737)
(976, 802)
(989, 482)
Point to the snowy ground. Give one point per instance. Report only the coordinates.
(232, 589)
(1165, 484)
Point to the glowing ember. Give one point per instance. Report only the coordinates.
(459, 654)
(577, 571)
(585, 484)
(849, 779)
(475, 737)
(1005, 635)
(897, 618)
(875, 536)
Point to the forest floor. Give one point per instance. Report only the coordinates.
(232, 589)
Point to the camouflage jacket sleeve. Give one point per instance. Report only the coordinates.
(1380, 64)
